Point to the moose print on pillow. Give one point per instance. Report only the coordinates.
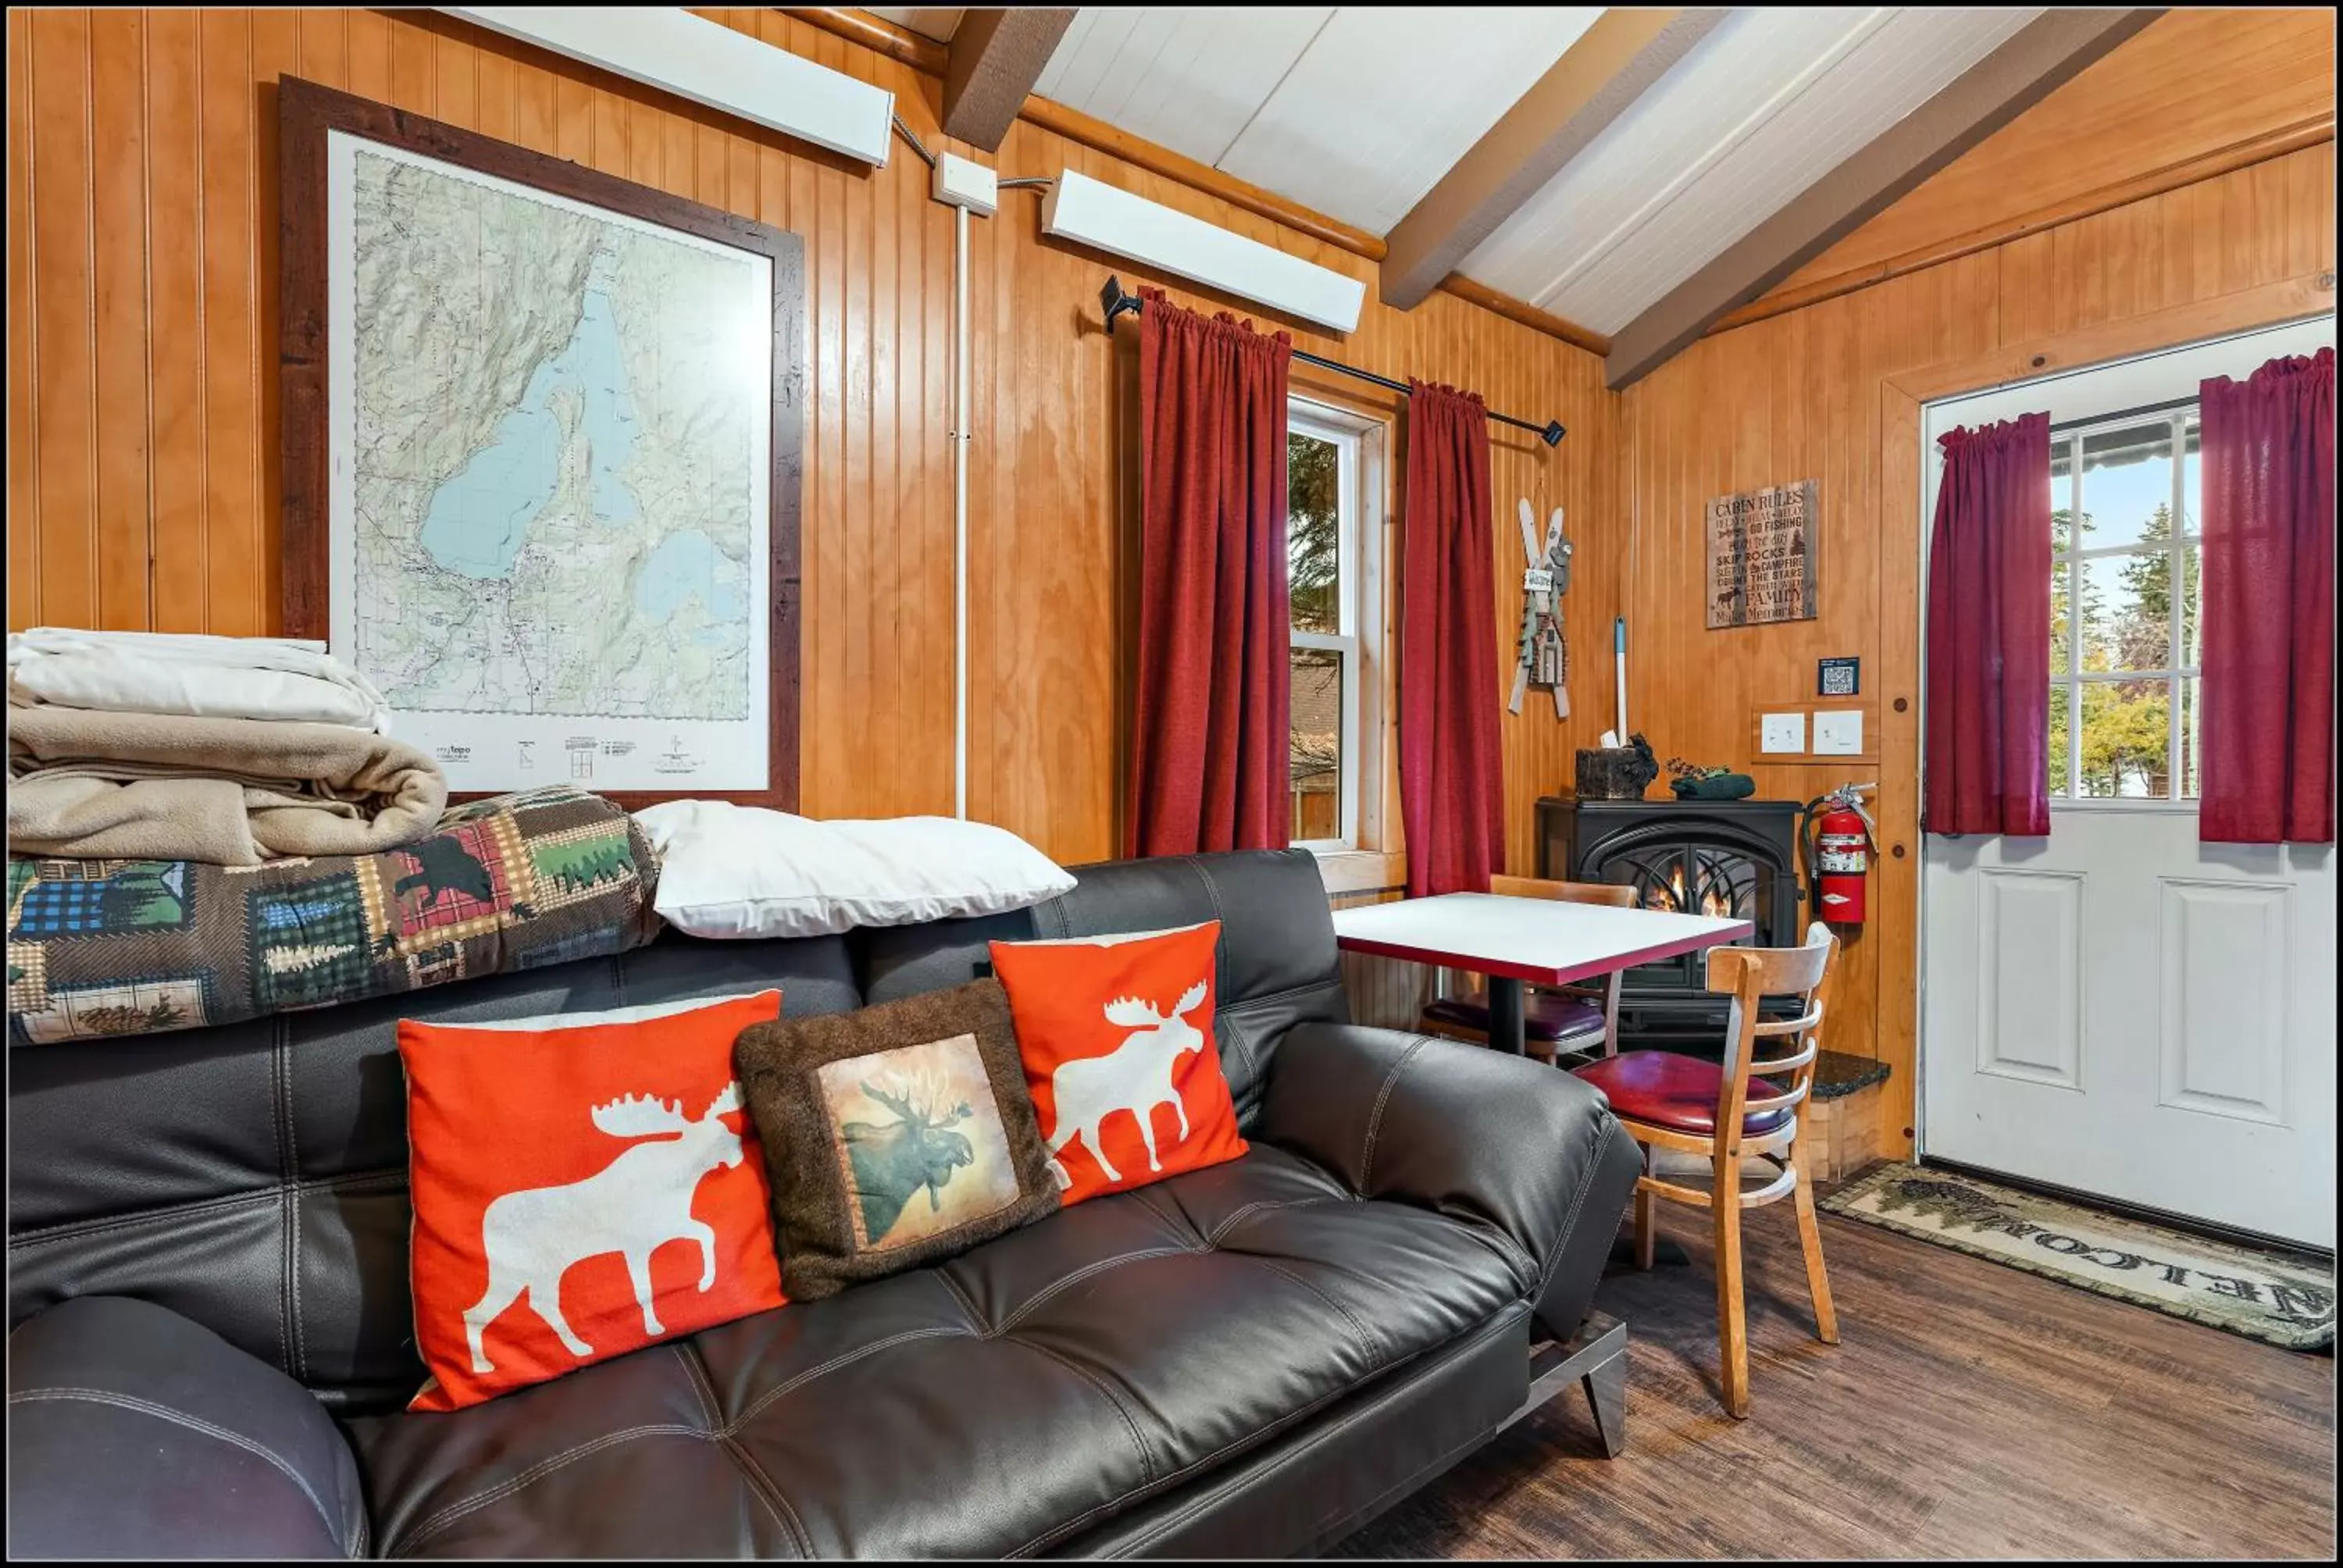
(1116, 1037)
(931, 1159)
(1134, 1078)
(638, 1203)
(895, 1136)
(584, 1185)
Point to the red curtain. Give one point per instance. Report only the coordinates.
(1210, 766)
(2268, 769)
(1989, 633)
(1451, 773)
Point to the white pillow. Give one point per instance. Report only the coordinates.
(728, 871)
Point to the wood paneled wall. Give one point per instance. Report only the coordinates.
(142, 453)
(1799, 395)
(143, 477)
(2197, 93)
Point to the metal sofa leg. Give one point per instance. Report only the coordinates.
(1607, 1396)
(1597, 1360)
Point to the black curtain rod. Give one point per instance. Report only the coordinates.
(1117, 303)
(2166, 406)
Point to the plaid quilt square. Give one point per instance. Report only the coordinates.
(59, 899)
(28, 978)
(455, 878)
(310, 942)
(61, 908)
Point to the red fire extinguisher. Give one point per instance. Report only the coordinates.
(1836, 832)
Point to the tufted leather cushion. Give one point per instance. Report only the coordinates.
(1662, 1088)
(252, 1176)
(194, 1447)
(999, 1402)
(1247, 1359)
(1545, 1015)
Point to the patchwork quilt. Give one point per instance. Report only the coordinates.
(100, 948)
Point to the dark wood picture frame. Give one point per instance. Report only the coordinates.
(305, 113)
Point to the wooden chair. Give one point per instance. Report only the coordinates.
(1743, 1107)
(1554, 1022)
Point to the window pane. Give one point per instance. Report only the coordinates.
(2192, 720)
(2061, 623)
(2125, 736)
(2127, 611)
(1314, 524)
(2128, 485)
(2062, 496)
(2059, 748)
(1317, 754)
(2192, 480)
(2192, 607)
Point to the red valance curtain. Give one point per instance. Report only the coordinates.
(2268, 767)
(1210, 743)
(1451, 770)
(1989, 633)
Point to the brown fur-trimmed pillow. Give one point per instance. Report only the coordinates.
(894, 1135)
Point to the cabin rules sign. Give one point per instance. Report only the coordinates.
(1760, 555)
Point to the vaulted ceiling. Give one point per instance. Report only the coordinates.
(1623, 170)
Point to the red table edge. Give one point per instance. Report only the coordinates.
(1547, 974)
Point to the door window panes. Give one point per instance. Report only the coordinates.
(2125, 604)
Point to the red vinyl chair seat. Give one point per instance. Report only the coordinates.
(1662, 1088)
(1545, 1015)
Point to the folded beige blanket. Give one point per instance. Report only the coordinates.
(227, 791)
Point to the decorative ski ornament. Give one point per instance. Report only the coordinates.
(1545, 658)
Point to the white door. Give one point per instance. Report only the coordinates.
(2117, 1009)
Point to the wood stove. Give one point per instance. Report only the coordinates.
(1737, 858)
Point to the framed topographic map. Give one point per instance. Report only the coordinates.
(542, 438)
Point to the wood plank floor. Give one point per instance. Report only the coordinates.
(1971, 1410)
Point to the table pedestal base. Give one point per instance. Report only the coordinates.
(1506, 1031)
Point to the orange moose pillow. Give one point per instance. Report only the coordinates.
(1116, 1035)
(584, 1184)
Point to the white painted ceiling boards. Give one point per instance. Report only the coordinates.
(1355, 111)
(1359, 111)
(1762, 107)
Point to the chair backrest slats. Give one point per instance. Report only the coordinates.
(1618, 895)
(1749, 975)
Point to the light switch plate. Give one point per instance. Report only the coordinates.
(1782, 733)
(1839, 733)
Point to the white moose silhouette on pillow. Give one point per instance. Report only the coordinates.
(638, 1203)
(1135, 1076)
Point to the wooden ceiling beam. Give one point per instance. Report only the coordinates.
(1522, 311)
(995, 57)
(873, 33)
(1597, 77)
(2039, 57)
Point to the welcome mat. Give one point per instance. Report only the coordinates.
(2268, 1296)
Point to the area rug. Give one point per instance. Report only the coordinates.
(2270, 1296)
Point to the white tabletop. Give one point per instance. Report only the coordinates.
(1544, 940)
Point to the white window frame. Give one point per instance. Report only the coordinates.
(2094, 392)
(1359, 609)
(2068, 688)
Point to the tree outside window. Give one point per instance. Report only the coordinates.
(2123, 651)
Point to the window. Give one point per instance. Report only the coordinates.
(2125, 602)
(1333, 464)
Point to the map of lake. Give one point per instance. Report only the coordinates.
(479, 519)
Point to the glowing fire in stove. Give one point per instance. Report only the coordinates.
(1713, 902)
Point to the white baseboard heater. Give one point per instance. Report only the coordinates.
(1093, 213)
(668, 47)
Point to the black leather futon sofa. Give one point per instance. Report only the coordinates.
(210, 1339)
